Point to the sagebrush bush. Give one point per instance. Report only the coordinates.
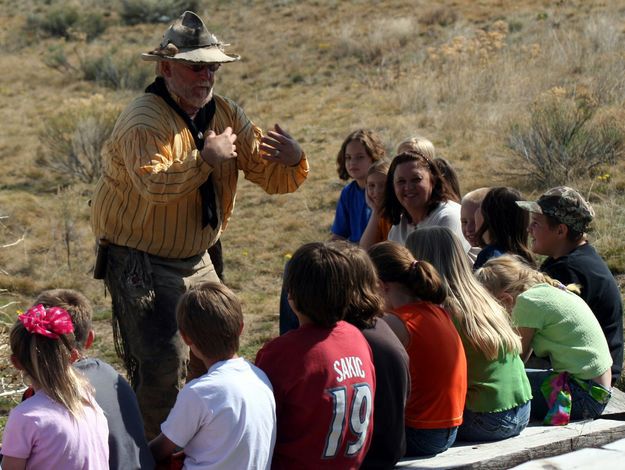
(563, 140)
(479, 47)
(115, 71)
(154, 11)
(55, 21)
(92, 24)
(56, 58)
(72, 140)
(66, 21)
(111, 69)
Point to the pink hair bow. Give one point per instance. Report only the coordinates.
(49, 322)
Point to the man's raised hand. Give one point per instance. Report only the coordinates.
(279, 146)
(219, 148)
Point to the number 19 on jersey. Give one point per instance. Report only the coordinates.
(357, 414)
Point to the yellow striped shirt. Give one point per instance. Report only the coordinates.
(147, 197)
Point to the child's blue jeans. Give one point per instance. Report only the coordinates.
(583, 405)
(421, 442)
(482, 427)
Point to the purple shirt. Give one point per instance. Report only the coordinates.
(45, 433)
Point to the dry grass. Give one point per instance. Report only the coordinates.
(458, 74)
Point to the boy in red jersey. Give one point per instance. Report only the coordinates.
(322, 373)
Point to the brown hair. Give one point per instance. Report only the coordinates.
(366, 303)
(506, 222)
(318, 280)
(448, 173)
(373, 146)
(395, 263)
(441, 191)
(210, 315)
(78, 307)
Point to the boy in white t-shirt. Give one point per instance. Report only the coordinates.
(227, 417)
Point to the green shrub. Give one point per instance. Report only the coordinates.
(92, 24)
(66, 21)
(55, 21)
(110, 69)
(72, 140)
(154, 11)
(564, 140)
(57, 59)
(115, 71)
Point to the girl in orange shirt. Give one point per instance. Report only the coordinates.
(413, 291)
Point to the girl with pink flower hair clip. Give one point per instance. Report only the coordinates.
(61, 425)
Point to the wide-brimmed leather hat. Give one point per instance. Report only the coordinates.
(188, 40)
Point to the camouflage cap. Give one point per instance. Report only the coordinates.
(565, 205)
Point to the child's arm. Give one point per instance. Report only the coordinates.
(13, 463)
(372, 233)
(527, 335)
(161, 447)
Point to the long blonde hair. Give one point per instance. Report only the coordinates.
(482, 320)
(47, 362)
(511, 274)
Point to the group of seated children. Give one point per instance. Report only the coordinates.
(407, 332)
(78, 412)
(421, 191)
(504, 311)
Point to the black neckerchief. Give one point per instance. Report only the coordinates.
(201, 121)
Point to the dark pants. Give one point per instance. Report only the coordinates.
(145, 290)
(216, 253)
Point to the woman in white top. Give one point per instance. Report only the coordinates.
(416, 196)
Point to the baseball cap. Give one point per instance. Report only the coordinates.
(565, 205)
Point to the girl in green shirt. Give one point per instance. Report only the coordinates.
(499, 393)
(556, 324)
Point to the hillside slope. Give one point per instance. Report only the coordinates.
(459, 72)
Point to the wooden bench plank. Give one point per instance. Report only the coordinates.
(616, 406)
(535, 442)
(580, 459)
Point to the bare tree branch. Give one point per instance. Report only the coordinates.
(6, 305)
(17, 242)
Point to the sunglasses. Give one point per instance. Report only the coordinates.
(202, 67)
